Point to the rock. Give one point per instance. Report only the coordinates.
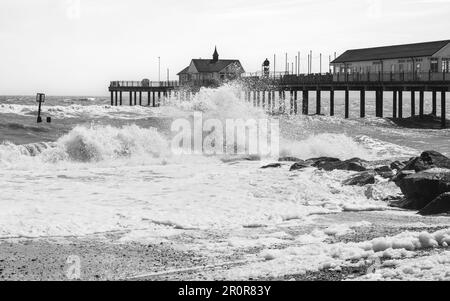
(402, 174)
(273, 165)
(423, 187)
(385, 172)
(427, 160)
(439, 205)
(361, 179)
(299, 165)
(289, 159)
(397, 165)
(354, 164)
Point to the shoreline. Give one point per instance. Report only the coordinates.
(103, 257)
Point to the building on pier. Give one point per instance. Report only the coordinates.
(419, 60)
(205, 71)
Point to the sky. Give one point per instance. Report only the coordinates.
(75, 47)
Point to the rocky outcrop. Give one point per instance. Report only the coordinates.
(421, 188)
(361, 179)
(397, 165)
(329, 164)
(273, 165)
(427, 160)
(441, 204)
(385, 172)
(300, 165)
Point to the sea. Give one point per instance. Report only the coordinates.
(98, 168)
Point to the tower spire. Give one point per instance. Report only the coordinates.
(215, 55)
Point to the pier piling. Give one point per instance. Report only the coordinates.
(434, 104)
(362, 100)
(421, 103)
(400, 104)
(443, 103)
(331, 102)
(305, 102)
(347, 103)
(413, 103)
(394, 104)
(318, 101)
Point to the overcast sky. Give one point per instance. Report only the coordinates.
(75, 47)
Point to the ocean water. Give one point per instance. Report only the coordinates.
(98, 168)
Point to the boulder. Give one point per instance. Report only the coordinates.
(439, 205)
(329, 164)
(361, 179)
(427, 160)
(299, 165)
(397, 165)
(273, 165)
(289, 159)
(402, 174)
(423, 187)
(385, 172)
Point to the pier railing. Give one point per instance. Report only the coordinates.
(144, 84)
(393, 77)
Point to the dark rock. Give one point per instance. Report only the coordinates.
(423, 187)
(427, 160)
(397, 165)
(289, 159)
(299, 165)
(402, 174)
(385, 172)
(439, 205)
(274, 165)
(361, 179)
(354, 164)
(322, 160)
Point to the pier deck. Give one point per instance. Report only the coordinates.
(262, 91)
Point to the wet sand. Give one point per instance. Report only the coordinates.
(103, 257)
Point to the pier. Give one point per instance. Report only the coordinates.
(275, 93)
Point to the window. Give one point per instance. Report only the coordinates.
(434, 65)
(418, 66)
(446, 65)
(400, 67)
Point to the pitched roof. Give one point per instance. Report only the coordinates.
(210, 66)
(392, 52)
(184, 71)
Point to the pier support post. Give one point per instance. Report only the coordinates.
(347, 103)
(318, 101)
(112, 98)
(421, 103)
(131, 98)
(305, 102)
(400, 104)
(135, 98)
(269, 101)
(291, 102)
(154, 98)
(434, 109)
(254, 98)
(159, 99)
(120, 97)
(331, 102)
(394, 104)
(362, 105)
(443, 103)
(295, 102)
(140, 98)
(258, 99)
(264, 99)
(148, 98)
(413, 103)
(116, 96)
(379, 103)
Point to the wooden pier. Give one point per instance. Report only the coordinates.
(262, 92)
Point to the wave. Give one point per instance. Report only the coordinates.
(90, 144)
